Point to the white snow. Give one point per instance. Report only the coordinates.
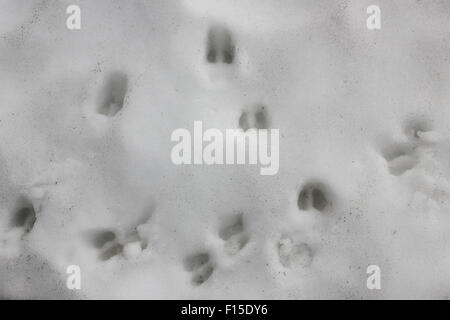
(364, 124)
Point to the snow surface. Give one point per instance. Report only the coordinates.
(364, 150)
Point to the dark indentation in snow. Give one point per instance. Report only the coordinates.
(201, 267)
(220, 46)
(98, 238)
(24, 216)
(395, 151)
(110, 250)
(319, 200)
(113, 94)
(203, 275)
(258, 118)
(233, 234)
(261, 118)
(303, 199)
(105, 241)
(237, 226)
(313, 195)
(243, 121)
(401, 157)
(413, 127)
(195, 261)
(401, 164)
(211, 55)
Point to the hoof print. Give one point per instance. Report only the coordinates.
(258, 118)
(294, 254)
(200, 266)
(313, 196)
(113, 95)
(220, 46)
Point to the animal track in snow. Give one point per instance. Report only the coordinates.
(220, 46)
(24, 216)
(100, 238)
(129, 243)
(258, 118)
(110, 250)
(313, 195)
(106, 242)
(294, 253)
(201, 267)
(414, 128)
(234, 235)
(400, 158)
(113, 94)
(405, 156)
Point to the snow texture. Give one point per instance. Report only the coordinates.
(86, 177)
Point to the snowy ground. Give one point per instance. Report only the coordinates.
(364, 174)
